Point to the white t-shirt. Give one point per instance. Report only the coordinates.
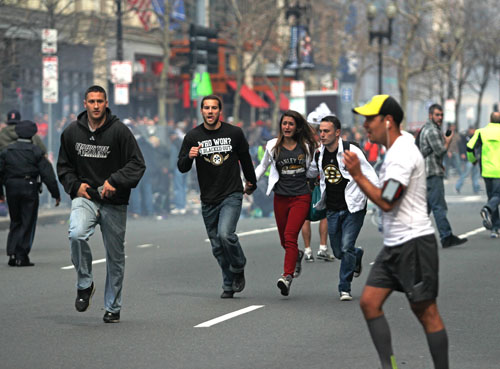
(408, 219)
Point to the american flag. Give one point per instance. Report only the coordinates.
(142, 8)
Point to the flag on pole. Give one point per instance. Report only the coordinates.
(178, 13)
(142, 9)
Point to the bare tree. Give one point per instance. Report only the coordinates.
(248, 29)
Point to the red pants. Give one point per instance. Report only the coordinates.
(290, 213)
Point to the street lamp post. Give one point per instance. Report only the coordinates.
(294, 15)
(380, 35)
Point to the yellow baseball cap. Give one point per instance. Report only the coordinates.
(381, 105)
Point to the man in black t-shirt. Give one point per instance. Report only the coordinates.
(344, 201)
(219, 148)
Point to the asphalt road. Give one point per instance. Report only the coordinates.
(172, 284)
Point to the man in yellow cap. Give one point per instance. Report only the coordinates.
(408, 262)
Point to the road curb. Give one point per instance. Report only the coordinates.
(44, 217)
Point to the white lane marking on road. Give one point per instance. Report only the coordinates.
(99, 261)
(234, 314)
(473, 232)
(146, 245)
(256, 231)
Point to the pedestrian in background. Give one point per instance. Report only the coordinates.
(468, 167)
(484, 147)
(343, 199)
(99, 163)
(20, 165)
(408, 261)
(323, 253)
(433, 146)
(219, 148)
(289, 156)
(8, 134)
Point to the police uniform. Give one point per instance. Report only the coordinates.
(20, 165)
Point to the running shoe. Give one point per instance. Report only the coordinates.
(325, 255)
(284, 284)
(298, 265)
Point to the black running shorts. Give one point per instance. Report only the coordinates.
(411, 267)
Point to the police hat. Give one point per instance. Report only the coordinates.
(13, 117)
(26, 129)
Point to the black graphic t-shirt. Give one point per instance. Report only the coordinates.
(218, 163)
(335, 183)
(291, 165)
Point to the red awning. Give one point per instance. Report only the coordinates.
(284, 102)
(249, 95)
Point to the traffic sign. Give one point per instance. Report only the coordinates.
(346, 94)
(50, 84)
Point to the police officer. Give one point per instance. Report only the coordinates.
(8, 134)
(20, 165)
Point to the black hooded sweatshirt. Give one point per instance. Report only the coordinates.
(110, 153)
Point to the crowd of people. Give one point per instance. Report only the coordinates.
(105, 164)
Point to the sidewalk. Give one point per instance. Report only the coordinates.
(45, 216)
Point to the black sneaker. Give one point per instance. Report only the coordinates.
(239, 282)
(12, 261)
(110, 317)
(486, 215)
(227, 295)
(452, 240)
(298, 265)
(284, 284)
(24, 262)
(358, 268)
(83, 298)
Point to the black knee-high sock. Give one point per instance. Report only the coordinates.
(438, 345)
(381, 337)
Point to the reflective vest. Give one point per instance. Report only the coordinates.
(484, 147)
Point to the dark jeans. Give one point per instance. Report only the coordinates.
(220, 221)
(493, 193)
(343, 230)
(437, 204)
(22, 196)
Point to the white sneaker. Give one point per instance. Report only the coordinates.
(178, 211)
(325, 255)
(345, 296)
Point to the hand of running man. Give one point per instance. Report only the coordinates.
(82, 191)
(107, 190)
(193, 153)
(249, 188)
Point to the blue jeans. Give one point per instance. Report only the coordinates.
(343, 230)
(180, 189)
(141, 197)
(85, 216)
(437, 204)
(473, 170)
(220, 221)
(493, 193)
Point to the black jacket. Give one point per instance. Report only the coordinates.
(22, 159)
(110, 153)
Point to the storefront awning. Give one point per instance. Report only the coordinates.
(249, 96)
(284, 102)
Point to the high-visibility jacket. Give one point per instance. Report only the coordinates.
(484, 147)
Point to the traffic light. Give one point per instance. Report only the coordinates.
(202, 50)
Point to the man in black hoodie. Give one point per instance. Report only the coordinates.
(99, 163)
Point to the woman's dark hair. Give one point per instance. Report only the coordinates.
(303, 134)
